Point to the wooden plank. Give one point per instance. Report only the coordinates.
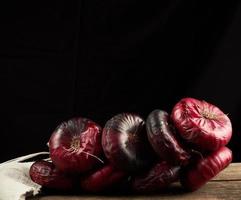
(232, 172)
(227, 185)
(211, 191)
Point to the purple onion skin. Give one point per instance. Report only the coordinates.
(158, 178)
(164, 140)
(204, 126)
(46, 174)
(198, 174)
(75, 145)
(125, 143)
(102, 179)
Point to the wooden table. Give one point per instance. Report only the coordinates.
(227, 185)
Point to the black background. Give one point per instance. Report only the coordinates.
(101, 57)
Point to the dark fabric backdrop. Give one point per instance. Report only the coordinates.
(98, 58)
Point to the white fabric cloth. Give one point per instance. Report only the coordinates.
(15, 182)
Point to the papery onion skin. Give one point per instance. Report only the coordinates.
(102, 179)
(195, 176)
(75, 145)
(202, 124)
(46, 174)
(125, 143)
(158, 178)
(164, 140)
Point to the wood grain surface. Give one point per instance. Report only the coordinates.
(227, 185)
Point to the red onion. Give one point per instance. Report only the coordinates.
(202, 124)
(75, 145)
(164, 140)
(196, 175)
(102, 179)
(159, 177)
(125, 142)
(46, 174)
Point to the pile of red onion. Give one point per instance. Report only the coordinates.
(144, 155)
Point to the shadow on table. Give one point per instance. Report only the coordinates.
(173, 190)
